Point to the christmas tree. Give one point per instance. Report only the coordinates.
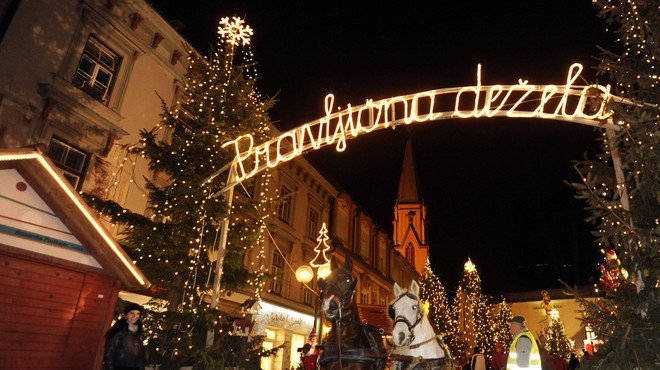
(623, 200)
(556, 340)
(472, 324)
(176, 243)
(501, 331)
(432, 291)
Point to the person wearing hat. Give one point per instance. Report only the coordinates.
(310, 352)
(524, 352)
(124, 349)
(309, 349)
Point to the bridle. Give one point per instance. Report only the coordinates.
(411, 325)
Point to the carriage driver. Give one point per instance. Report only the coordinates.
(524, 353)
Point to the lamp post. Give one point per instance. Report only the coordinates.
(319, 266)
(305, 274)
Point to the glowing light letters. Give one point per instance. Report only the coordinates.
(580, 104)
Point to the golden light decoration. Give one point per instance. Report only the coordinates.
(324, 271)
(235, 32)
(304, 274)
(469, 266)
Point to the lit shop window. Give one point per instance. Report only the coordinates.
(96, 71)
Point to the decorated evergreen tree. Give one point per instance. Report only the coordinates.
(625, 206)
(176, 243)
(433, 292)
(556, 340)
(501, 331)
(472, 324)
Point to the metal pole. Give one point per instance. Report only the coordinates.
(228, 197)
(618, 171)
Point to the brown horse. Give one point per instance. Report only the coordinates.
(350, 344)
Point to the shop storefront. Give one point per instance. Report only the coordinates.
(280, 325)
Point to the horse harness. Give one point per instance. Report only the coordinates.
(417, 362)
(411, 326)
(352, 355)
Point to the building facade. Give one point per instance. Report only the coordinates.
(83, 77)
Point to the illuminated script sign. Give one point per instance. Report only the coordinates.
(569, 102)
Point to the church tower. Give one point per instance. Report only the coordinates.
(410, 236)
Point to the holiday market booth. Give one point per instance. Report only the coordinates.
(61, 270)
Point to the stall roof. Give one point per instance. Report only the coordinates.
(42, 215)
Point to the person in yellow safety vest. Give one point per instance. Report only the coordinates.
(524, 352)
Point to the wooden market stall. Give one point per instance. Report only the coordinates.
(61, 270)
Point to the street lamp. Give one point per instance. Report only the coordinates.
(319, 266)
(305, 274)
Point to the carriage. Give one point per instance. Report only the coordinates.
(354, 345)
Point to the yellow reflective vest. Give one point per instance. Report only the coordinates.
(534, 356)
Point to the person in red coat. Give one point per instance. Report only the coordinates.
(560, 363)
(498, 362)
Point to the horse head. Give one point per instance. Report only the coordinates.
(338, 289)
(406, 313)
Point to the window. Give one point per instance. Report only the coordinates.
(313, 224)
(364, 298)
(364, 240)
(71, 160)
(381, 254)
(97, 68)
(307, 296)
(278, 274)
(410, 254)
(284, 209)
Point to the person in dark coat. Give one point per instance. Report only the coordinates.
(573, 362)
(124, 349)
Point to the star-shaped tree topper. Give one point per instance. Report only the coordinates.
(235, 32)
(321, 259)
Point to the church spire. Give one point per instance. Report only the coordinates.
(408, 192)
(409, 237)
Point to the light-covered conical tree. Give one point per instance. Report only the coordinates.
(471, 321)
(433, 292)
(557, 341)
(176, 243)
(501, 331)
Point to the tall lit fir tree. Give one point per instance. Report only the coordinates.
(471, 321)
(176, 243)
(433, 292)
(626, 211)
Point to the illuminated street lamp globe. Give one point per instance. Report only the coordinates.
(324, 271)
(304, 274)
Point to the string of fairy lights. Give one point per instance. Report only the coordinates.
(233, 34)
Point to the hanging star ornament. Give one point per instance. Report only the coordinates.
(235, 32)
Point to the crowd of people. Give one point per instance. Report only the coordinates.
(525, 352)
(124, 349)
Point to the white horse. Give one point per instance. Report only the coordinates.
(416, 345)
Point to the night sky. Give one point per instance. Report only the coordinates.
(494, 188)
